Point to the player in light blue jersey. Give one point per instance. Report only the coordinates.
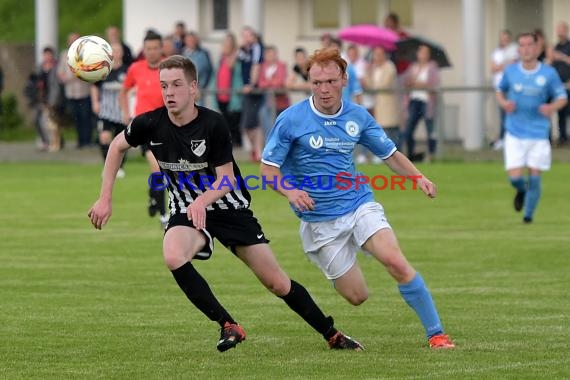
(523, 93)
(308, 158)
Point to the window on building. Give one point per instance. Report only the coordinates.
(363, 12)
(403, 8)
(326, 14)
(220, 14)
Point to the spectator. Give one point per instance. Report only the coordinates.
(298, 79)
(273, 77)
(106, 105)
(50, 102)
(228, 84)
(178, 36)
(503, 55)
(250, 57)
(78, 96)
(326, 40)
(114, 37)
(421, 78)
(381, 75)
(360, 65)
(561, 62)
(542, 46)
(1, 90)
(392, 22)
(168, 47)
(201, 58)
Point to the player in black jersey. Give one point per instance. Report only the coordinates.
(190, 142)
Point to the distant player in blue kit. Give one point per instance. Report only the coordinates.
(316, 138)
(523, 93)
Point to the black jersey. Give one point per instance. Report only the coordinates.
(188, 155)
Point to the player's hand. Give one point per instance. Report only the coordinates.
(546, 109)
(196, 212)
(300, 200)
(100, 213)
(427, 186)
(509, 106)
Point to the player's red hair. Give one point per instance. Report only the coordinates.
(324, 56)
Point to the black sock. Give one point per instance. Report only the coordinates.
(104, 150)
(200, 294)
(300, 301)
(161, 202)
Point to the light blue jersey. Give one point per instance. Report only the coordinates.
(529, 89)
(314, 152)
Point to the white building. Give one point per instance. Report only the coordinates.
(468, 29)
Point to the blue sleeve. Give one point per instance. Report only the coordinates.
(556, 87)
(374, 138)
(278, 143)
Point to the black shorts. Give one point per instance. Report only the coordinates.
(232, 228)
(110, 126)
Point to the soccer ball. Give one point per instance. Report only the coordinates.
(90, 58)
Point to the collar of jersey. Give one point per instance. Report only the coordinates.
(533, 71)
(315, 110)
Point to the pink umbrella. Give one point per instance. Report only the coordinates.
(370, 35)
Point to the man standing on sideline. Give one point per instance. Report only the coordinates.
(105, 103)
(193, 142)
(142, 76)
(503, 55)
(561, 62)
(316, 138)
(523, 94)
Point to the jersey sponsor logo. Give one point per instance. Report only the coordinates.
(152, 143)
(182, 165)
(198, 147)
(540, 80)
(352, 128)
(518, 87)
(316, 143)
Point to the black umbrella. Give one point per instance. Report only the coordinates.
(406, 50)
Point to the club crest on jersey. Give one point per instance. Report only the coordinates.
(352, 128)
(198, 147)
(540, 80)
(316, 143)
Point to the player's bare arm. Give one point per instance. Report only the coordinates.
(550, 108)
(100, 212)
(196, 211)
(401, 165)
(298, 198)
(508, 105)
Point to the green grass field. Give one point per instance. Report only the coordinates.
(80, 303)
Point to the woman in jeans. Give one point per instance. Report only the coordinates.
(421, 79)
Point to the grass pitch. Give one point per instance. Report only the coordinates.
(81, 303)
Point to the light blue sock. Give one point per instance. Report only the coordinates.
(518, 183)
(417, 295)
(532, 195)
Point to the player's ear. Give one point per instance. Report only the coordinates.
(344, 79)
